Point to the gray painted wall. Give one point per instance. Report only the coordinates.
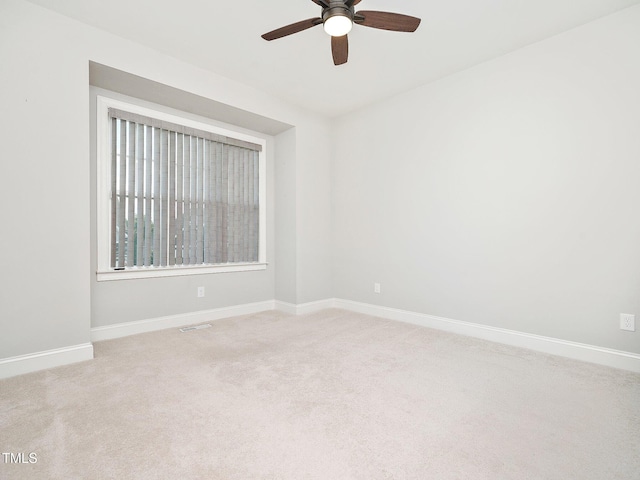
(49, 297)
(122, 301)
(285, 225)
(44, 294)
(506, 195)
(313, 214)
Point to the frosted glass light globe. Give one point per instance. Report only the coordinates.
(338, 25)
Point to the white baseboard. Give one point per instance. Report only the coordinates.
(304, 308)
(12, 366)
(174, 321)
(564, 348)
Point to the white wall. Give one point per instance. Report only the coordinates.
(505, 195)
(46, 282)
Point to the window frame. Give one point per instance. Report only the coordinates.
(103, 215)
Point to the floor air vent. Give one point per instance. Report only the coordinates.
(196, 327)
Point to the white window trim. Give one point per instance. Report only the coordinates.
(103, 125)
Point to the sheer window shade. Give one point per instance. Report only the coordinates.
(181, 196)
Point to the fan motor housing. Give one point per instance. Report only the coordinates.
(341, 10)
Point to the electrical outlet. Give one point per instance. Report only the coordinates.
(628, 322)
(376, 288)
(200, 292)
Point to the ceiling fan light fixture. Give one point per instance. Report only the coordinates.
(338, 17)
(338, 23)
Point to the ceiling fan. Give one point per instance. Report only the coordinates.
(338, 17)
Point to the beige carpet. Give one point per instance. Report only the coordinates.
(333, 395)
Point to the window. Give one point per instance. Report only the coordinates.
(176, 196)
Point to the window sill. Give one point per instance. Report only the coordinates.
(157, 272)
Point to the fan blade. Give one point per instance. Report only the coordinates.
(340, 49)
(387, 21)
(351, 3)
(293, 28)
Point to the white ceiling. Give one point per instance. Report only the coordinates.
(224, 36)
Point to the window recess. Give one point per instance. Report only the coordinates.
(180, 197)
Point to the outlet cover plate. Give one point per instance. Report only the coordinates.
(628, 322)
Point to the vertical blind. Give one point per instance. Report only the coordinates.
(181, 196)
